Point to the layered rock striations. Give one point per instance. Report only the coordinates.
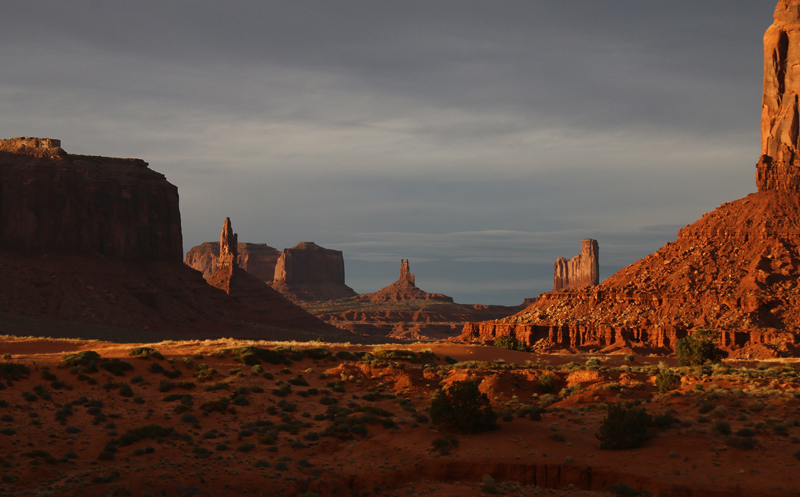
(258, 259)
(736, 270)
(308, 272)
(52, 201)
(581, 271)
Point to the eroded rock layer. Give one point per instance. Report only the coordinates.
(581, 271)
(735, 270)
(51, 201)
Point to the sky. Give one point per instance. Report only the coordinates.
(480, 140)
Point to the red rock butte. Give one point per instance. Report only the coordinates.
(735, 270)
(581, 271)
(308, 272)
(403, 289)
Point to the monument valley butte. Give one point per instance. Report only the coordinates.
(160, 404)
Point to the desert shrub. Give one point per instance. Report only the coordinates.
(445, 443)
(166, 385)
(205, 374)
(744, 443)
(151, 431)
(722, 427)
(169, 373)
(245, 447)
(629, 358)
(317, 354)
(665, 420)
(125, 390)
(346, 356)
(8, 431)
(145, 353)
(219, 405)
(240, 400)
(706, 406)
(298, 381)
(622, 489)
(254, 355)
(116, 366)
(48, 376)
(592, 362)
(698, 348)
(666, 380)
(85, 361)
(464, 407)
(624, 428)
(509, 343)
(282, 391)
(311, 436)
(546, 382)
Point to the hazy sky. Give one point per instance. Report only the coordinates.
(479, 139)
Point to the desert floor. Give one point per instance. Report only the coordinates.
(352, 426)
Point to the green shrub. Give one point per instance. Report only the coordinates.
(744, 443)
(445, 443)
(464, 407)
(622, 489)
(219, 405)
(624, 428)
(698, 348)
(254, 355)
(245, 447)
(145, 353)
(152, 431)
(592, 361)
(116, 367)
(722, 427)
(509, 343)
(85, 361)
(546, 382)
(629, 358)
(666, 381)
(344, 355)
(125, 390)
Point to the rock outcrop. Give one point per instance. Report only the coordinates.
(255, 295)
(90, 247)
(403, 289)
(736, 270)
(581, 271)
(51, 201)
(308, 272)
(258, 259)
(403, 311)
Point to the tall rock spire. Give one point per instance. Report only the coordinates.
(779, 166)
(228, 245)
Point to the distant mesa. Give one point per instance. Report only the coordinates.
(736, 270)
(254, 294)
(258, 259)
(308, 272)
(581, 271)
(403, 289)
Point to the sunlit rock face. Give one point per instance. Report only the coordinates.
(581, 271)
(736, 270)
(308, 272)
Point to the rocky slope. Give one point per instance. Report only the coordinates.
(735, 270)
(258, 259)
(581, 271)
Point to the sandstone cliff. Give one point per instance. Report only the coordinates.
(258, 259)
(51, 201)
(308, 272)
(90, 247)
(579, 272)
(735, 270)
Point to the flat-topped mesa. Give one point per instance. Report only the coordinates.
(309, 272)
(778, 168)
(581, 271)
(51, 201)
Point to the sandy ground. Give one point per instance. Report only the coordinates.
(72, 443)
